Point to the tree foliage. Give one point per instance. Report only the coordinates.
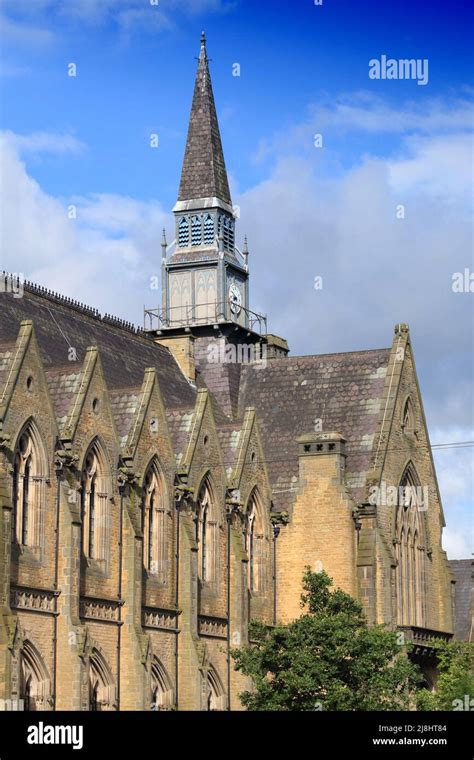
(327, 659)
(455, 685)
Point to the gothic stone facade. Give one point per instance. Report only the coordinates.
(153, 500)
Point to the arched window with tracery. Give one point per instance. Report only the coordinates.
(410, 550)
(155, 528)
(35, 684)
(162, 695)
(29, 488)
(95, 504)
(256, 545)
(101, 684)
(207, 528)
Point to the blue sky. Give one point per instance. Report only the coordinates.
(307, 211)
(135, 76)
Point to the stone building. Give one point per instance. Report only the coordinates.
(161, 487)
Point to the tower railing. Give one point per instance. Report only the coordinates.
(194, 315)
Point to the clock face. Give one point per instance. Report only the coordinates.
(235, 298)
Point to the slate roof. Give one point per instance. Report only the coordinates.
(6, 348)
(124, 354)
(463, 571)
(229, 439)
(63, 384)
(290, 394)
(203, 174)
(179, 425)
(124, 403)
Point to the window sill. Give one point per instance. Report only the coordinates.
(95, 566)
(24, 553)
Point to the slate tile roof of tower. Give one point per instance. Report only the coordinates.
(203, 174)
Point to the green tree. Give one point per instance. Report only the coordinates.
(455, 685)
(327, 659)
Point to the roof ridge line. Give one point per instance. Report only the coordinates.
(71, 303)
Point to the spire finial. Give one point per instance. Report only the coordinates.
(203, 40)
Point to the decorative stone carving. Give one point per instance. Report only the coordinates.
(4, 440)
(38, 600)
(65, 458)
(153, 617)
(279, 518)
(211, 626)
(184, 497)
(99, 609)
(126, 476)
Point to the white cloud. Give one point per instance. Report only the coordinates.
(112, 242)
(44, 142)
(455, 472)
(16, 33)
(364, 112)
(437, 166)
(13, 70)
(458, 543)
(21, 18)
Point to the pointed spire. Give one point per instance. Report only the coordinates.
(164, 244)
(245, 253)
(204, 174)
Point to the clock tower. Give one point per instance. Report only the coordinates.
(205, 281)
(205, 311)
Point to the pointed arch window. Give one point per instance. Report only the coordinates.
(196, 230)
(410, 550)
(183, 232)
(155, 524)
(257, 546)
(35, 684)
(207, 534)
(162, 695)
(95, 505)
(101, 684)
(29, 488)
(215, 694)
